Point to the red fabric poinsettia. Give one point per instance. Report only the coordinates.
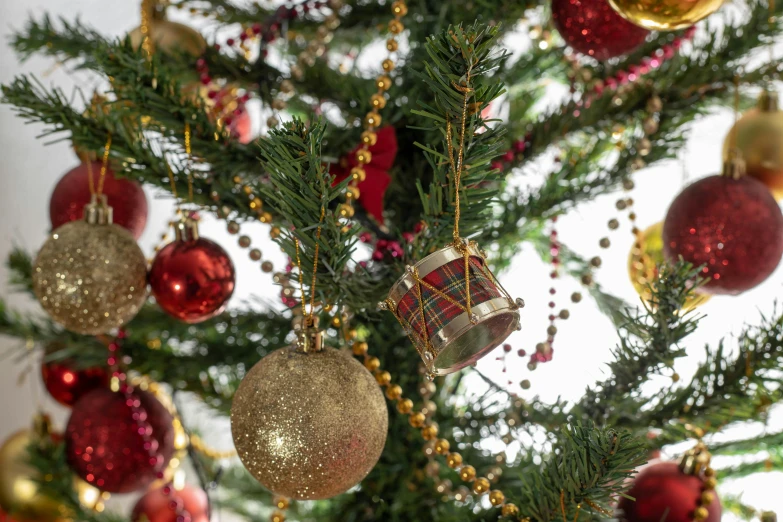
(373, 188)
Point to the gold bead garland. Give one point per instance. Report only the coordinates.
(286, 90)
(625, 203)
(373, 119)
(435, 446)
(198, 444)
(281, 505)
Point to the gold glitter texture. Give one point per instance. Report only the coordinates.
(309, 426)
(90, 278)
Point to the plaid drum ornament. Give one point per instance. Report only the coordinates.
(453, 308)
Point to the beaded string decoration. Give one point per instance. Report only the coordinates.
(372, 120)
(120, 383)
(418, 419)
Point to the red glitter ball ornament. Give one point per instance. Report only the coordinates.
(192, 278)
(67, 383)
(156, 505)
(663, 492)
(104, 446)
(72, 192)
(732, 226)
(593, 28)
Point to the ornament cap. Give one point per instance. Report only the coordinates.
(42, 424)
(98, 211)
(768, 101)
(310, 338)
(734, 166)
(186, 229)
(696, 460)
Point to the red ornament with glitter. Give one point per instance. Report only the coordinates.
(67, 383)
(192, 278)
(664, 492)
(732, 226)
(593, 28)
(155, 506)
(119, 444)
(125, 197)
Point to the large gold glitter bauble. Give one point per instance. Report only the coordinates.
(19, 491)
(309, 425)
(665, 15)
(171, 38)
(643, 262)
(90, 277)
(758, 136)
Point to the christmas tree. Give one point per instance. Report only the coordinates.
(388, 172)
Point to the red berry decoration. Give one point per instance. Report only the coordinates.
(664, 492)
(155, 506)
(67, 383)
(732, 226)
(105, 440)
(72, 193)
(192, 278)
(593, 28)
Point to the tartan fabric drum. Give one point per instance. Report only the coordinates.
(452, 308)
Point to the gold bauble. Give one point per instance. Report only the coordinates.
(311, 425)
(90, 278)
(171, 38)
(665, 15)
(19, 491)
(758, 136)
(643, 265)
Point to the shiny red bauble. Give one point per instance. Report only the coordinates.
(67, 383)
(72, 192)
(733, 227)
(663, 492)
(156, 505)
(192, 280)
(104, 445)
(593, 28)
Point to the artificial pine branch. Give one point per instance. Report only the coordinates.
(589, 468)
(650, 344)
(457, 74)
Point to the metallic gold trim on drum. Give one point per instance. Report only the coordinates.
(460, 325)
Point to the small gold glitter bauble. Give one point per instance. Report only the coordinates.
(643, 265)
(665, 15)
(172, 38)
(90, 278)
(758, 136)
(309, 426)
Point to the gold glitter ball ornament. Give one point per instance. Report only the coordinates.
(665, 15)
(309, 426)
(758, 136)
(91, 277)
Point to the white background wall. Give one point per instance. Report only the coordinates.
(30, 169)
